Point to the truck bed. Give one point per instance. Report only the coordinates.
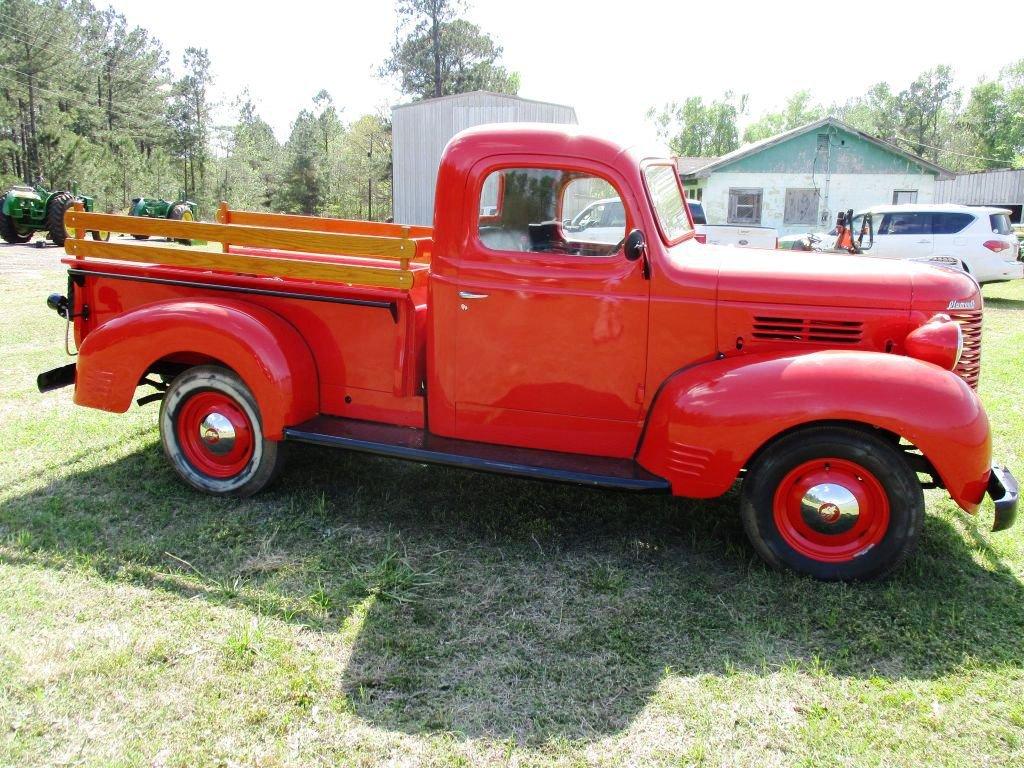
(366, 332)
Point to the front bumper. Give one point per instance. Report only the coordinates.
(1002, 487)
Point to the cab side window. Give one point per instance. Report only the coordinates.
(546, 210)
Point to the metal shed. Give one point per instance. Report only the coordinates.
(421, 130)
(1004, 189)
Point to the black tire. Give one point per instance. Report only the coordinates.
(178, 213)
(769, 496)
(141, 237)
(9, 232)
(103, 237)
(59, 204)
(256, 467)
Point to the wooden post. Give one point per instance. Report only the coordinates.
(79, 233)
(223, 217)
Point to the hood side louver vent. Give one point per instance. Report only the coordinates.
(810, 331)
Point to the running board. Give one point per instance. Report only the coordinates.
(421, 446)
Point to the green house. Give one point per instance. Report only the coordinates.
(798, 180)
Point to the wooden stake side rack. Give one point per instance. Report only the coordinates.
(299, 239)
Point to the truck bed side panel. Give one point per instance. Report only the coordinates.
(368, 358)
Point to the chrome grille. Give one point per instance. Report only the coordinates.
(969, 367)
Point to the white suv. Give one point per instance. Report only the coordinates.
(978, 240)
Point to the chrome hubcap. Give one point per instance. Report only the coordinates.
(829, 508)
(217, 433)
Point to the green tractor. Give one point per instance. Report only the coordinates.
(181, 209)
(27, 210)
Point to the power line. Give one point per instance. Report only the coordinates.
(96, 58)
(950, 151)
(121, 106)
(29, 37)
(127, 126)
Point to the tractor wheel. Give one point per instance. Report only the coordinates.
(9, 232)
(835, 503)
(141, 237)
(212, 433)
(60, 204)
(100, 234)
(181, 212)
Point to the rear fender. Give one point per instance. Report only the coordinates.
(267, 352)
(708, 421)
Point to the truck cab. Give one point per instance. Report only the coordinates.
(507, 339)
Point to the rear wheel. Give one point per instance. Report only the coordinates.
(59, 204)
(836, 503)
(181, 212)
(100, 234)
(211, 431)
(9, 232)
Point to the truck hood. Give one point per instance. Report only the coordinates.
(836, 280)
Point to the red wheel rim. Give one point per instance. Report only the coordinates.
(215, 434)
(831, 510)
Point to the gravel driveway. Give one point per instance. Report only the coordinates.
(30, 259)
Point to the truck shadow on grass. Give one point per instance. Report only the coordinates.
(488, 606)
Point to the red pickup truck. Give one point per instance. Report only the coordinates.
(514, 337)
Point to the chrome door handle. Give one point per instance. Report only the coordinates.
(470, 295)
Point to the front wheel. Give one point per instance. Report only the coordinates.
(835, 503)
(9, 231)
(212, 434)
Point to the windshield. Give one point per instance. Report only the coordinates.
(667, 198)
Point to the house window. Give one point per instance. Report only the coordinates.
(901, 196)
(744, 206)
(801, 207)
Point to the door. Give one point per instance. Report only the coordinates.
(551, 324)
(904, 235)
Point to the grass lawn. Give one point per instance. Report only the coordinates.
(366, 611)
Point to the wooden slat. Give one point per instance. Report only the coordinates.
(320, 224)
(372, 246)
(304, 269)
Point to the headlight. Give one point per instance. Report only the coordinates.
(939, 341)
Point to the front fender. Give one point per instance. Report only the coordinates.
(267, 352)
(709, 420)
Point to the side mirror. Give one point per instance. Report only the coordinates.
(636, 245)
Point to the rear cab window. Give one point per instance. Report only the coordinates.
(550, 210)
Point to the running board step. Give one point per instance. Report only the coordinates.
(419, 445)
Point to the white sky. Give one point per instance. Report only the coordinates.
(610, 60)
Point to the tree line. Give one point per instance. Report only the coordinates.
(973, 129)
(86, 96)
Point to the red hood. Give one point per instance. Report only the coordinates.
(834, 280)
